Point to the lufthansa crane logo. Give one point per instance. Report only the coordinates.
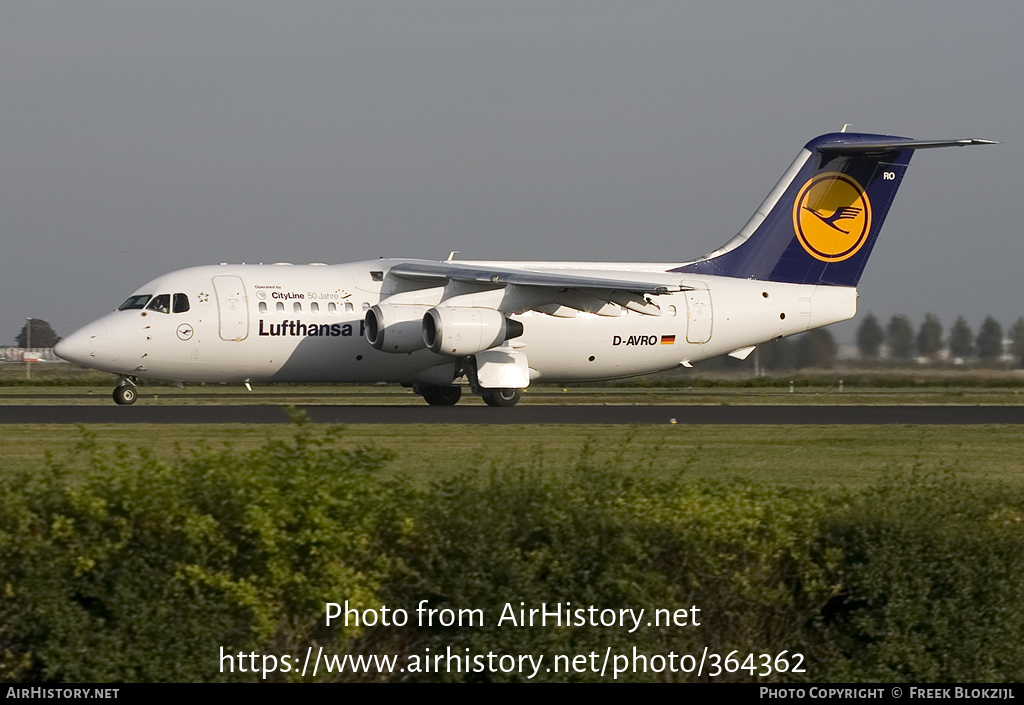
(832, 217)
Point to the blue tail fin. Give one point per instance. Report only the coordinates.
(820, 222)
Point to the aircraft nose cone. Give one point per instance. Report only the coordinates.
(80, 345)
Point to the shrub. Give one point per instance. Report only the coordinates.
(127, 567)
(934, 583)
(533, 536)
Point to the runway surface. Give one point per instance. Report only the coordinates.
(766, 415)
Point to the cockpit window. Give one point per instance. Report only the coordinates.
(137, 301)
(180, 303)
(160, 303)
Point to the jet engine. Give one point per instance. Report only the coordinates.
(395, 328)
(466, 331)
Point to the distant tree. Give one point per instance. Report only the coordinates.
(1017, 341)
(989, 342)
(961, 339)
(929, 337)
(900, 336)
(42, 335)
(816, 348)
(870, 337)
(777, 355)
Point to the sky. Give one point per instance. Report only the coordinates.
(140, 138)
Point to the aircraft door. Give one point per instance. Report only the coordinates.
(698, 312)
(232, 307)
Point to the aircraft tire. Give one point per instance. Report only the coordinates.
(502, 397)
(125, 395)
(437, 395)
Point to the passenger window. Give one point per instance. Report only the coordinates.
(297, 307)
(314, 307)
(332, 308)
(280, 306)
(138, 301)
(263, 306)
(161, 303)
(348, 307)
(180, 303)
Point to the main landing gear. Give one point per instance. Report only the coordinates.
(125, 393)
(501, 397)
(437, 395)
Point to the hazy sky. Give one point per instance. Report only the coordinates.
(139, 138)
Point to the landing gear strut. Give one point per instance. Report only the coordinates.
(125, 393)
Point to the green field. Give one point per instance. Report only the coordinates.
(60, 383)
(543, 395)
(818, 456)
(806, 456)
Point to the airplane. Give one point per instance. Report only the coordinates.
(496, 327)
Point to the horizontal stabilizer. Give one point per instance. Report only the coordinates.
(868, 147)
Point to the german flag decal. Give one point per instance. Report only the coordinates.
(668, 340)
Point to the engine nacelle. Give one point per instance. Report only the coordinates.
(467, 331)
(395, 328)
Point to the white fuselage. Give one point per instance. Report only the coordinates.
(305, 323)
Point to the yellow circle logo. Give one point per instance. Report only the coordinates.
(832, 217)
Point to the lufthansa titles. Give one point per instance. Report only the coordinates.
(311, 330)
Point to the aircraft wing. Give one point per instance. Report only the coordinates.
(477, 273)
(558, 291)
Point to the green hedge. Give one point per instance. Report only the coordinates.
(934, 582)
(125, 567)
(120, 566)
(746, 555)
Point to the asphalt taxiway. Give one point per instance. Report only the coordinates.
(523, 414)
